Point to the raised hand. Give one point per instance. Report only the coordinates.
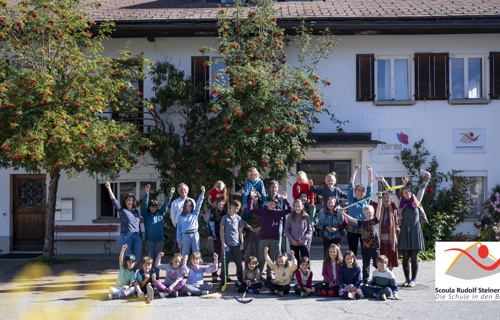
(202, 189)
(172, 190)
(147, 188)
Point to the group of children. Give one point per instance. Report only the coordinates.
(265, 224)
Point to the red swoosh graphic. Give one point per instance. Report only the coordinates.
(472, 139)
(479, 264)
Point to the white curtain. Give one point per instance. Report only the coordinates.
(401, 79)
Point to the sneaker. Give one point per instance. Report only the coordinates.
(357, 296)
(279, 293)
(188, 294)
(382, 297)
(411, 284)
(204, 292)
(303, 294)
(151, 293)
(141, 295)
(176, 294)
(162, 294)
(250, 291)
(112, 296)
(256, 291)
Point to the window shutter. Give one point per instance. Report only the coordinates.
(494, 75)
(441, 83)
(365, 77)
(431, 76)
(423, 74)
(200, 75)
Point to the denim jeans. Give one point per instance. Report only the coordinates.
(134, 245)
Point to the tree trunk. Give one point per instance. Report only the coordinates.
(48, 248)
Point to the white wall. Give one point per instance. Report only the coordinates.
(432, 121)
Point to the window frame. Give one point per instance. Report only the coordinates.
(494, 75)
(465, 90)
(392, 59)
(479, 207)
(105, 203)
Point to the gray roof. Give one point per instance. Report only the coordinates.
(197, 17)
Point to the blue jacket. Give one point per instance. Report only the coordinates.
(189, 221)
(356, 211)
(258, 185)
(153, 223)
(331, 220)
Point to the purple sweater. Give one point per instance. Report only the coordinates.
(298, 230)
(270, 220)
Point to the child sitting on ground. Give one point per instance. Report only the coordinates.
(251, 277)
(383, 284)
(195, 270)
(145, 278)
(124, 286)
(331, 269)
(174, 279)
(304, 276)
(350, 278)
(283, 273)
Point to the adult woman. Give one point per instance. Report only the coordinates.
(187, 226)
(411, 238)
(332, 223)
(130, 233)
(355, 196)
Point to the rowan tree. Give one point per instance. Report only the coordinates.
(57, 93)
(262, 109)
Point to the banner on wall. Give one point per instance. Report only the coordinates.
(395, 140)
(469, 140)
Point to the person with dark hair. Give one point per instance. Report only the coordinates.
(153, 216)
(130, 229)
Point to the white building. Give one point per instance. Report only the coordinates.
(402, 71)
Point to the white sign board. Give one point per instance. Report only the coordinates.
(469, 140)
(395, 140)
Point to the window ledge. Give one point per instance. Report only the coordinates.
(469, 101)
(106, 220)
(394, 103)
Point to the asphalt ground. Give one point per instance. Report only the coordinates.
(78, 290)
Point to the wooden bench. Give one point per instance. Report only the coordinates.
(106, 230)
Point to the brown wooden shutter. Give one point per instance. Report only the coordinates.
(494, 75)
(200, 75)
(365, 77)
(423, 76)
(441, 83)
(431, 76)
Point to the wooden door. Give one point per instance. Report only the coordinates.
(29, 202)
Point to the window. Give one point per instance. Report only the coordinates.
(392, 181)
(431, 76)
(200, 75)
(217, 66)
(466, 77)
(473, 188)
(120, 189)
(135, 117)
(392, 79)
(494, 75)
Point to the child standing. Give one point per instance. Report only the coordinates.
(283, 273)
(302, 186)
(269, 227)
(330, 190)
(332, 223)
(350, 278)
(195, 270)
(153, 216)
(124, 286)
(216, 215)
(330, 271)
(251, 224)
(231, 235)
(251, 277)
(298, 229)
(383, 284)
(145, 278)
(304, 275)
(370, 245)
(174, 279)
(253, 182)
(219, 191)
(187, 226)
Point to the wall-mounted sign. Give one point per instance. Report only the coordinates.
(395, 140)
(469, 140)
